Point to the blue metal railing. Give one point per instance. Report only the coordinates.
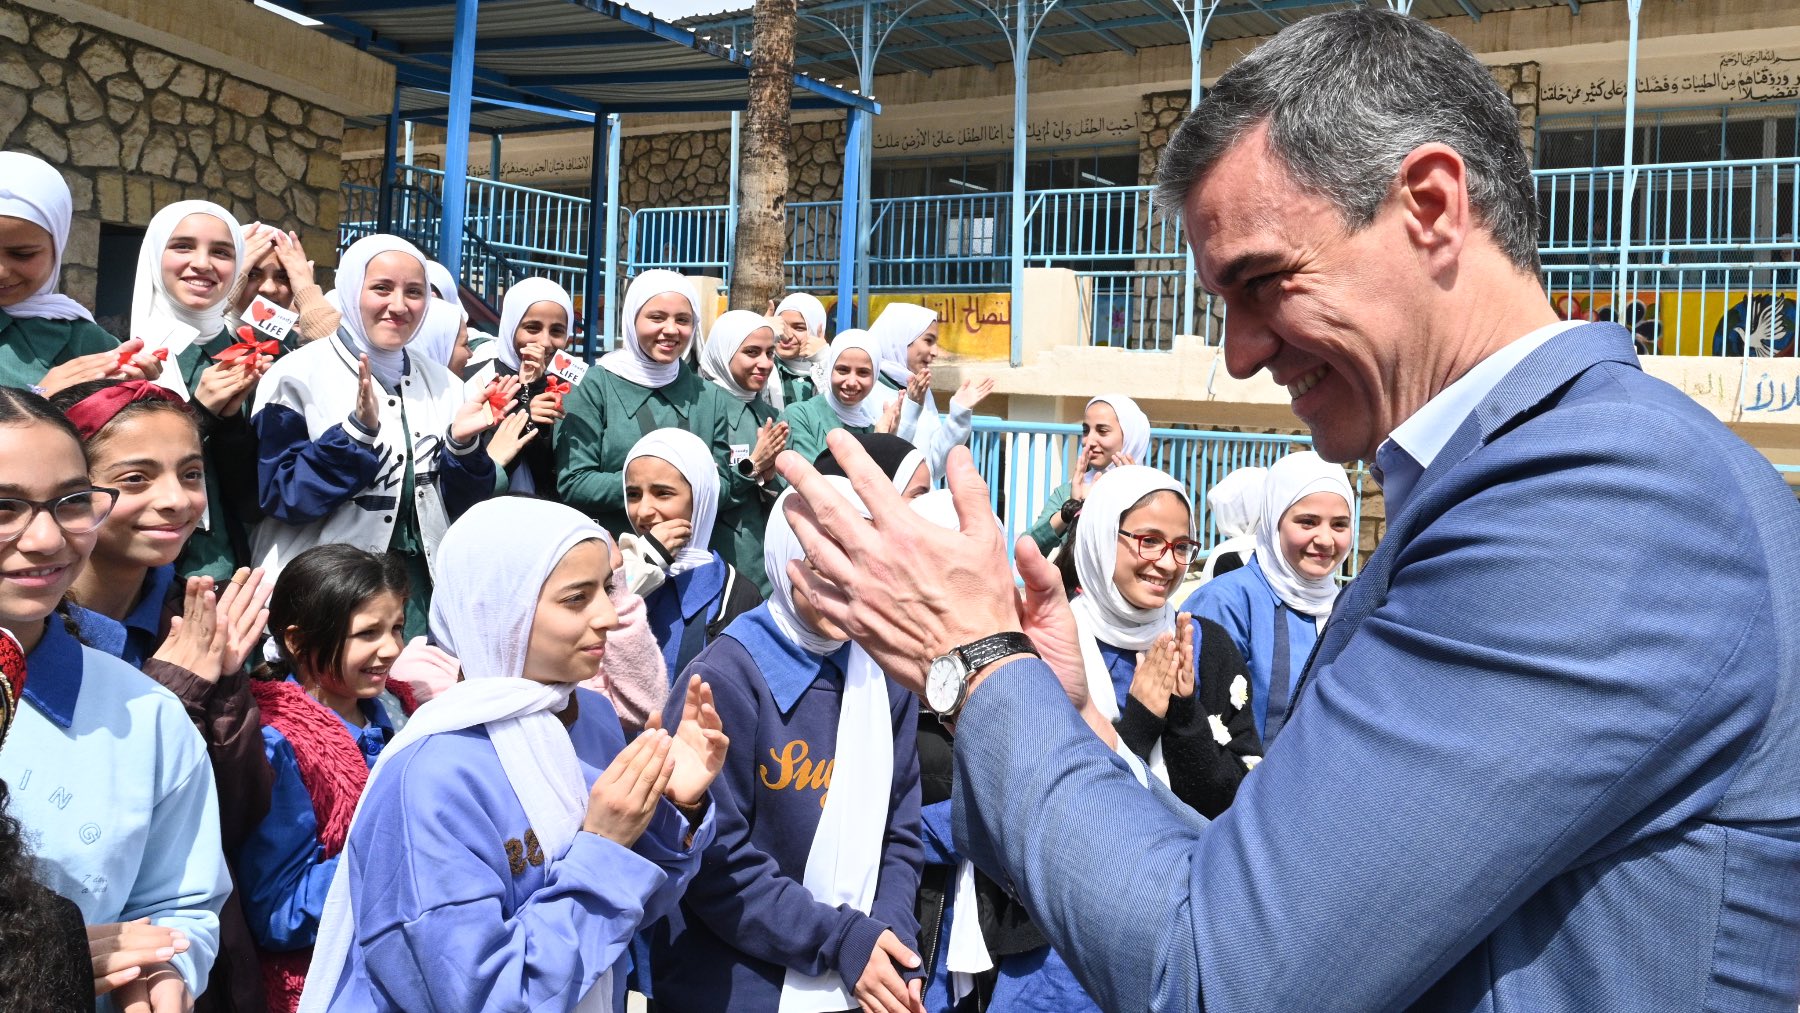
(1710, 240)
(1024, 462)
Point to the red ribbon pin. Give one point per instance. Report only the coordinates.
(160, 355)
(559, 387)
(247, 347)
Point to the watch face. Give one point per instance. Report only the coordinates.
(943, 684)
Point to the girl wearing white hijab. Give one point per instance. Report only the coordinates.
(470, 349)
(192, 253)
(1275, 610)
(799, 341)
(363, 443)
(1236, 507)
(1114, 431)
(510, 843)
(849, 369)
(690, 592)
(907, 335)
(536, 320)
(641, 386)
(740, 363)
(805, 902)
(47, 340)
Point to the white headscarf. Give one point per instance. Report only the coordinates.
(1101, 609)
(1235, 503)
(492, 565)
(856, 414)
(1290, 480)
(808, 306)
(1134, 426)
(898, 326)
(781, 547)
(689, 455)
(156, 316)
(442, 282)
(32, 190)
(728, 334)
(629, 361)
(387, 364)
(436, 337)
(518, 301)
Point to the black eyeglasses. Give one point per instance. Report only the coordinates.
(76, 513)
(1152, 548)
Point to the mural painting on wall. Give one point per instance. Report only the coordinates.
(1756, 75)
(1728, 323)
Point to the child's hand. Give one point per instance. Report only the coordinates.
(880, 988)
(627, 792)
(699, 745)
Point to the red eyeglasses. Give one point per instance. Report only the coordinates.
(1152, 548)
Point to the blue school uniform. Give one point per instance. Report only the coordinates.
(1274, 639)
(283, 874)
(680, 609)
(456, 908)
(747, 917)
(135, 639)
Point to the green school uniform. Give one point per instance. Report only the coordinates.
(217, 550)
(743, 503)
(795, 386)
(604, 417)
(809, 421)
(30, 346)
(1042, 533)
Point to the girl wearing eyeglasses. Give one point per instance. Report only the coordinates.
(1275, 609)
(108, 774)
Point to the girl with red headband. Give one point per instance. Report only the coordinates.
(143, 441)
(109, 777)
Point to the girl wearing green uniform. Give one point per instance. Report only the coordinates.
(849, 377)
(640, 387)
(739, 360)
(799, 341)
(47, 340)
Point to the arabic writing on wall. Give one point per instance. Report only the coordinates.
(1045, 131)
(1772, 395)
(1747, 76)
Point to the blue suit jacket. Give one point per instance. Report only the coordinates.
(1546, 756)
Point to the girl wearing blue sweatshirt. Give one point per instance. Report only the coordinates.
(107, 774)
(336, 620)
(805, 901)
(510, 843)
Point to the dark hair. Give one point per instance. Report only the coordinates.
(317, 594)
(20, 407)
(69, 397)
(1347, 96)
(44, 964)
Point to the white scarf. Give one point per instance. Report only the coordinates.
(812, 311)
(1290, 480)
(689, 455)
(491, 565)
(1101, 612)
(1235, 503)
(629, 361)
(518, 301)
(728, 334)
(858, 413)
(156, 316)
(808, 306)
(386, 364)
(32, 190)
(1134, 426)
(844, 861)
(898, 326)
(436, 337)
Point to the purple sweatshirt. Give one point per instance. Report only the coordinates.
(747, 916)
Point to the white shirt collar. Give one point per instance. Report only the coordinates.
(1424, 434)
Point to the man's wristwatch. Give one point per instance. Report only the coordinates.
(947, 681)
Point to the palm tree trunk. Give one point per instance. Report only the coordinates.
(761, 240)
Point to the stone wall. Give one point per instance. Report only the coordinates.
(1520, 82)
(133, 128)
(694, 167)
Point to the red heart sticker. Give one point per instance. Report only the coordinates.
(561, 361)
(261, 312)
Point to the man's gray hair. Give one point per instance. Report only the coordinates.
(1347, 96)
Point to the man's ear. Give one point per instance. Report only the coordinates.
(1433, 197)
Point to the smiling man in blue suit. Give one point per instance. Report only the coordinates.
(1546, 756)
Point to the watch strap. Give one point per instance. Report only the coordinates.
(988, 650)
